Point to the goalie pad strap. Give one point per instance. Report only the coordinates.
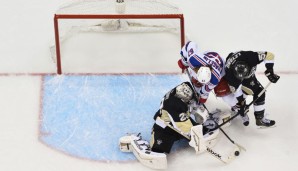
(148, 158)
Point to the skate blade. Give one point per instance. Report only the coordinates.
(266, 127)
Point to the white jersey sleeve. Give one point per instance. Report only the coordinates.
(189, 49)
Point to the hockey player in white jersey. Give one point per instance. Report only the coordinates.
(206, 79)
(205, 69)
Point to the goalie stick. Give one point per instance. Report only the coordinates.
(225, 159)
(228, 137)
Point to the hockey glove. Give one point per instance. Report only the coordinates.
(194, 106)
(241, 107)
(271, 76)
(182, 64)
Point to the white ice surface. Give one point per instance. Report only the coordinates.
(222, 26)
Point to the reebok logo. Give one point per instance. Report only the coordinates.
(213, 153)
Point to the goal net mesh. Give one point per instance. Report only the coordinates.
(113, 16)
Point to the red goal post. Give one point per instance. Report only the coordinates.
(120, 10)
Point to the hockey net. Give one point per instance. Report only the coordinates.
(110, 19)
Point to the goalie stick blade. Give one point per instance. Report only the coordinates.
(224, 159)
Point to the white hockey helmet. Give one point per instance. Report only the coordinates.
(184, 92)
(204, 74)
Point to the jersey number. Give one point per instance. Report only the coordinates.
(262, 55)
(215, 56)
(183, 117)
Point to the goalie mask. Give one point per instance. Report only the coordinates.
(242, 70)
(184, 92)
(204, 75)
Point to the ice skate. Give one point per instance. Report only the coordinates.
(265, 123)
(245, 120)
(262, 121)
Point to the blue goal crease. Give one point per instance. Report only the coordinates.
(84, 116)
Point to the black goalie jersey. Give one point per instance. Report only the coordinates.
(175, 111)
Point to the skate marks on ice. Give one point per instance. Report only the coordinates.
(84, 116)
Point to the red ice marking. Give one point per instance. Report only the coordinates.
(135, 73)
(281, 72)
(86, 74)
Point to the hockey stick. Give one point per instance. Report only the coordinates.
(238, 145)
(226, 159)
(259, 95)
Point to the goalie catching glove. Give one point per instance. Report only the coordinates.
(200, 113)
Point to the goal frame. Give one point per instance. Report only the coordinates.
(58, 17)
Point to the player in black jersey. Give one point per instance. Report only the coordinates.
(179, 117)
(175, 110)
(240, 70)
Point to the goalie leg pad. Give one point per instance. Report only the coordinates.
(197, 139)
(125, 143)
(211, 138)
(201, 142)
(148, 158)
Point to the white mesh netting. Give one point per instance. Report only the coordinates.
(114, 7)
(68, 27)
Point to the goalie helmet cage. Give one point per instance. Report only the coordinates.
(110, 10)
